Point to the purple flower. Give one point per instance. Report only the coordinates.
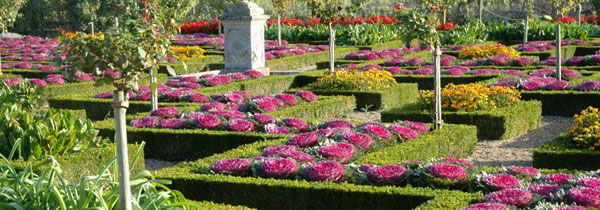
(361, 140)
(544, 190)
(235, 166)
(307, 96)
(532, 85)
(145, 122)
(417, 126)
(513, 197)
(371, 57)
(557, 85)
(519, 170)
(558, 178)
(588, 197)
(240, 125)
(500, 181)
(55, 79)
(212, 106)
(23, 65)
(278, 168)
(570, 73)
(197, 98)
(325, 171)
(386, 174)
(485, 71)
(338, 124)
(486, 206)
(447, 171)
(513, 72)
(589, 182)
(588, 86)
(414, 62)
(172, 123)
(166, 112)
(469, 63)
(574, 61)
(39, 82)
(522, 61)
(296, 124)
(453, 72)
(497, 60)
(405, 133)
(377, 130)
(341, 152)
(424, 71)
(445, 62)
(263, 119)
(303, 140)
(289, 99)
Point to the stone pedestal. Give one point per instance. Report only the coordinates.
(244, 24)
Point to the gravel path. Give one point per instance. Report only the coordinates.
(362, 116)
(155, 165)
(519, 150)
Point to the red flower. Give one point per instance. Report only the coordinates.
(399, 6)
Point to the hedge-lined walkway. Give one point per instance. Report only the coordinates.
(519, 150)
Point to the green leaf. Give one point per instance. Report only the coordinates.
(171, 71)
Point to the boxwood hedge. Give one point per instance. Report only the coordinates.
(263, 193)
(563, 103)
(502, 123)
(562, 154)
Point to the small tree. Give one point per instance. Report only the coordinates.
(136, 44)
(328, 11)
(563, 6)
(281, 6)
(9, 9)
(444, 5)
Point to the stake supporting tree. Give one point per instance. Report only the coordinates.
(438, 122)
(480, 11)
(579, 14)
(120, 105)
(558, 52)
(279, 29)
(331, 48)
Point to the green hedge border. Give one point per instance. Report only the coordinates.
(563, 103)
(193, 144)
(382, 99)
(561, 154)
(27, 73)
(290, 194)
(502, 123)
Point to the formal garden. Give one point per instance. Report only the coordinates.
(300, 104)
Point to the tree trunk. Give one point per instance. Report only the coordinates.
(120, 105)
(331, 48)
(480, 11)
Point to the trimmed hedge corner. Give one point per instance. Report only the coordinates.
(561, 154)
(383, 99)
(502, 123)
(563, 103)
(268, 194)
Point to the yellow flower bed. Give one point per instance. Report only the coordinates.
(471, 97)
(488, 51)
(76, 35)
(187, 52)
(586, 129)
(371, 79)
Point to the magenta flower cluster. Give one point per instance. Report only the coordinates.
(513, 197)
(500, 181)
(447, 171)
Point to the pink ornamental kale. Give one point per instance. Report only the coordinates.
(224, 79)
(522, 61)
(254, 74)
(557, 85)
(386, 174)
(377, 130)
(589, 182)
(558, 178)
(588, 197)
(240, 125)
(519, 170)
(303, 140)
(458, 161)
(307, 96)
(207, 121)
(417, 126)
(213, 106)
(447, 171)
(289, 99)
(339, 151)
(414, 62)
(361, 140)
(325, 171)
(197, 97)
(278, 168)
(55, 79)
(239, 76)
(278, 150)
(188, 79)
(574, 61)
(245, 94)
(275, 129)
(588, 86)
(39, 83)
(424, 71)
(544, 190)
(145, 122)
(166, 112)
(235, 166)
(172, 123)
(445, 62)
(263, 119)
(338, 124)
(532, 85)
(103, 95)
(234, 98)
(228, 115)
(453, 72)
(405, 133)
(500, 181)
(513, 197)
(570, 208)
(296, 124)
(265, 105)
(486, 206)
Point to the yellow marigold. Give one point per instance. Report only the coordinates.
(371, 79)
(585, 131)
(187, 52)
(76, 35)
(487, 51)
(471, 97)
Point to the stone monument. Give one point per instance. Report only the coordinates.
(244, 24)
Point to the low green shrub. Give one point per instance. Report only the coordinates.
(562, 154)
(502, 123)
(217, 206)
(563, 103)
(27, 73)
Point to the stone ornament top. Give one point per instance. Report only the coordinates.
(244, 10)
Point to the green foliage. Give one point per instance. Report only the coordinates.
(502, 123)
(469, 33)
(382, 99)
(51, 132)
(561, 153)
(420, 23)
(291, 194)
(9, 9)
(24, 188)
(553, 102)
(564, 6)
(350, 35)
(24, 94)
(327, 10)
(513, 33)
